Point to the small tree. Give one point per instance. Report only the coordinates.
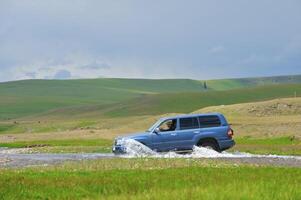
(205, 85)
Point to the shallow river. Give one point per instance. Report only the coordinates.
(19, 157)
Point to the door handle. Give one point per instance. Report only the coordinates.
(196, 131)
(173, 134)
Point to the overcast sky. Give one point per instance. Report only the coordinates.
(199, 39)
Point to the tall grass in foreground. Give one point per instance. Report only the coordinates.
(187, 182)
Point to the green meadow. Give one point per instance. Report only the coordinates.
(32, 97)
(23, 98)
(189, 102)
(151, 179)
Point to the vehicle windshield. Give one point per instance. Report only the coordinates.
(154, 126)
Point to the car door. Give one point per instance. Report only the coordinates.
(188, 128)
(165, 138)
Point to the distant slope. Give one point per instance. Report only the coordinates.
(273, 118)
(226, 84)
(275, 107)
(188, 102)
(22, 98)
(184, 102)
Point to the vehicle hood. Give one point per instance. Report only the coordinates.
(135, 136)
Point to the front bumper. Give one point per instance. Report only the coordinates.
(118, 149)
(226, 144)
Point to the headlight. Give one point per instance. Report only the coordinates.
(118, 141)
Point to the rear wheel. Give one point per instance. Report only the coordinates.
(210, 145)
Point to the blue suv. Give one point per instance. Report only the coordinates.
(181, 133)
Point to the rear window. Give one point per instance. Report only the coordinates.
(189, 123)
(209, 121)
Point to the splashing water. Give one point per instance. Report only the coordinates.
(136, 149)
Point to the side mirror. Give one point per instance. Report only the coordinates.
(157, 130)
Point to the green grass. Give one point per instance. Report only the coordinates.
(62, 143)
(277, 146)
(22, 98)
(269, 141)
(63, 146)
(183, 102)
(30, 97)
(5, 127)
(166, 180)
(40, 125)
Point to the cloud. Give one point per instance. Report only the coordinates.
(44, 69)
(31, 75)
(130, 38)
(216, 49)
(95, 65)
(74, 65)
(62, 74)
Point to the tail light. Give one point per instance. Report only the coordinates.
(230, 133)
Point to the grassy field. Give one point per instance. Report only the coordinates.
(23, 98)
(157, 104)
(272, 145)
(30, 97)
(63, 146)
(151, 179)
(188, 102)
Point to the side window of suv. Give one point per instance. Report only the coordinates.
(209, 121)
(189, 123)
(168, 125)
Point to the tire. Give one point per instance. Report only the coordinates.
(210, 145)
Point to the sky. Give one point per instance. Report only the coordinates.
(197, 39)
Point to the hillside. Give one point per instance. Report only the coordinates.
(167, 103)
(226, 84)
(273, 118)
(275, 107)
(115, 97)
(23, 98)
(188, 102)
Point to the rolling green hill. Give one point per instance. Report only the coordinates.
(22, 98)
(184, 102)
(133, 96)
(188, 102)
